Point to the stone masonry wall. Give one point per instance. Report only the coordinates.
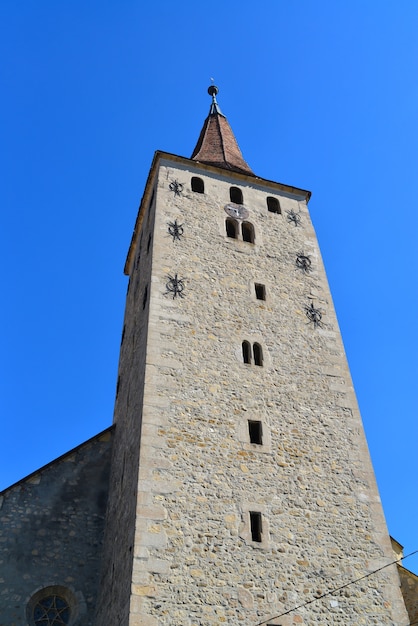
(116, 577)
(51, 532)
(195, 560)
(409, 588)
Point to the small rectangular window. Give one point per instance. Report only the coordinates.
(150, 206)
(256, 527)
(260, 291)
(145, 297)
(255, 430)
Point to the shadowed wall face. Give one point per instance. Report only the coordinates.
(51, 536)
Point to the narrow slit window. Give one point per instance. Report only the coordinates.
(247, 232)
(150, 206)
(255, 430)
(246, 351)
(256, 526)
(260, 291)
(231, 228)
(145, 298)
(149, 242)
(273, 205)
(235, 195)
(198, 185)
(258, 354)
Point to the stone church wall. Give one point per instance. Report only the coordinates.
(409, 588)
(51, 528)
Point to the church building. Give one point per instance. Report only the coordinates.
(235, 486)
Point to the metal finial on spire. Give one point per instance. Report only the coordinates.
(214, 109)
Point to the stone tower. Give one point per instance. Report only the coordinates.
(241, 483)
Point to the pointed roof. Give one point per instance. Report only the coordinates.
(217, 144)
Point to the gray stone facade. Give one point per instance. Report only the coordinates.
(213, 528)
(51, 534)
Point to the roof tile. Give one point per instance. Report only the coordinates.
(217, 144)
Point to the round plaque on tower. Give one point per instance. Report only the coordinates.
(237, 211)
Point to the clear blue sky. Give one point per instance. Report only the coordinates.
(320, 95)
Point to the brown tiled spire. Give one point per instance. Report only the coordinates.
(216, 144)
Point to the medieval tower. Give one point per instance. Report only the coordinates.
(241, 487)
(235, 486)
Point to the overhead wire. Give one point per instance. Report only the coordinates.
(332, 591)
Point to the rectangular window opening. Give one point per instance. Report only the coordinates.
(255, 430)
(260, 291)
(256, 527)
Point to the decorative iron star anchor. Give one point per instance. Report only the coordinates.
(303, 262)
(175, 230)
(314, 315)
(294, 217)
(176, 187)
(174, 286)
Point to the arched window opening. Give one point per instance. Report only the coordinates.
(198, 185)
(231, 228)
(247, 232)
(258, 354)
(235, 195)
(246, 351)
(273, 205)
